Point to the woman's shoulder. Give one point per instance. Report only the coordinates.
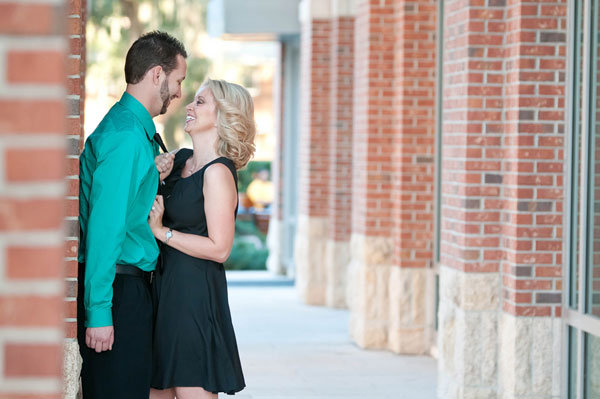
(220, 168)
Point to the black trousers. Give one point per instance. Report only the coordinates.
(125, 371)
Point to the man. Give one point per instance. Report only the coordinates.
(117, 253)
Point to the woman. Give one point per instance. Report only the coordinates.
(195, 352)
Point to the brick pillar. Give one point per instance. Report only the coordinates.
(337, 254)
(312, 228)
(32, 205)
(471, 202)
(392, 219)
(502, 199)
(76, 67)
(411, 282)
(532, 179)
(372, 174)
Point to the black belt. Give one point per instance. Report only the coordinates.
(133, 271)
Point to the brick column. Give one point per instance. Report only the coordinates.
(392, 219)
(412, 279)
(502, 199)
(312, 228)
(32, 204)
(533, 154)
(337, 254)
(373, 174)
(76, 67)
(471, 202)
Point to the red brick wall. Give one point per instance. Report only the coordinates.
(472, 109)
(340, 137)
(373, 135)
(32, 204)
(414, 128)
(394, 126)
(76, 62)
(314, 116)
(532, 158)
(502, 176)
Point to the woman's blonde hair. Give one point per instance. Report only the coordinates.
(235, 121)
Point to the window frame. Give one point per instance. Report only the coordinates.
(575, 317)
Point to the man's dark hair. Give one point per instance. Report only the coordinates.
(149, 50)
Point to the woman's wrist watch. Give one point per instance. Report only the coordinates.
(168, 235)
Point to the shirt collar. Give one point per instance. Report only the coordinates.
(141, 113)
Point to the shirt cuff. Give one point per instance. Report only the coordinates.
(98, 317)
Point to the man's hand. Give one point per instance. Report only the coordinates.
(164, 164)
(100, 338)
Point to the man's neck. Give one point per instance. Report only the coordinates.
(141, 95)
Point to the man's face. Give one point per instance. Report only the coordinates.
(171, 86)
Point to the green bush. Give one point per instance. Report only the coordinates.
(249, 250)
(245, 175)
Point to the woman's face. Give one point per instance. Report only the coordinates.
(201, 114)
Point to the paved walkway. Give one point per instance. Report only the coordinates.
(293, 351)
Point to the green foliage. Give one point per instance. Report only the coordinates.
(245, 175)
(249, 250)
(247, 227)
(245, 256)
(115, 24)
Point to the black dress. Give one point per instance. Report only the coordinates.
(194, 341)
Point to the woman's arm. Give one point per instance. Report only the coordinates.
(220, 199)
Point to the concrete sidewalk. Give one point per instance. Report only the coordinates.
(293, 351)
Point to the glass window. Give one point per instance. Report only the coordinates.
(592, 367)
(582, 364)
(593, 272)
(572, 362)
(576, 157)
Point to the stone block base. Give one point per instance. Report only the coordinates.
(468, 334)
(274, 243)
(71, 369)
(309, 255)
(388, 304)
(486, 353)
(530, 349)
(337, 259)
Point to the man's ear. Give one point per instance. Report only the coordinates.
(155, 73)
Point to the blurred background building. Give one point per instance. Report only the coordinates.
(434, 168)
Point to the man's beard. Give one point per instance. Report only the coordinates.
(165, 97)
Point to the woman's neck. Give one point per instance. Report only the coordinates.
(204, 149)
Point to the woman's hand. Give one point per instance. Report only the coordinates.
(156, 215)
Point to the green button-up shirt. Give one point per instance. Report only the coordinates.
(117, 185)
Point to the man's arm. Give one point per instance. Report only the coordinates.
(114, 182)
